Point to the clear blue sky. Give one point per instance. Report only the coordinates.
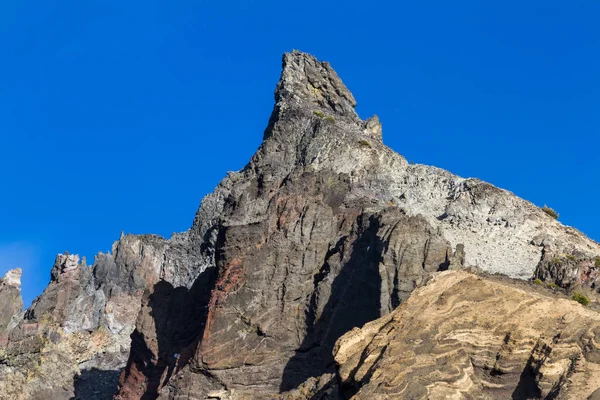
(122, 115)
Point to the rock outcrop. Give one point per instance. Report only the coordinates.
(74, 339)
(325, 230)
(11, 301)
(464, 336)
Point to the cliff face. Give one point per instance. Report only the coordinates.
(80, 326)
(12, 304)
(324, 230)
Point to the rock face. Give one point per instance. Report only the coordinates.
(75, 338)
(325, 230)
(12, 304)
(467, 337)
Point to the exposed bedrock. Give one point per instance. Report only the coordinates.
(325, 230)
(469, 337)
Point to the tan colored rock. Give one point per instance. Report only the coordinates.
(463, 336)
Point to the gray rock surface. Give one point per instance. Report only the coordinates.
(11, 302)
(79, 329)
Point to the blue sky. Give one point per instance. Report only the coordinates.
(120, 116)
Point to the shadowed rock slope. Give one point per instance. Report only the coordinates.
(324, 230)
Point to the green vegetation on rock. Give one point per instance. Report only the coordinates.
(553, 285)
(365, 143)
(581, 298)
(550, 212)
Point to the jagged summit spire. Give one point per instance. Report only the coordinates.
(12, 278)
(65, 265)
(305, 79)
(308, 87)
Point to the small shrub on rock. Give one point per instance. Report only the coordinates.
(365, 143)
(556, 261)
(581, 298)
(553, 285)
(550, 212)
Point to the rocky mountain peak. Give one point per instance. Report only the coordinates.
(12, 278)
(325, 230)
(313, 121)
(372, 128)
(305, 79)
(65, 264)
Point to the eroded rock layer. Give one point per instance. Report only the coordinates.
(464, 336)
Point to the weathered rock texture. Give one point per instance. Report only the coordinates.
(324, 230)
(467, 337)
(77, 333)
(11, 303)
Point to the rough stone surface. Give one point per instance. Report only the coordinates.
(325, 230)
(11, 303)
(79, 329)
(463, 336)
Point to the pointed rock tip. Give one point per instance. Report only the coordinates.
(306, 80)
(372, 127)
(13, 277)
(64, 264)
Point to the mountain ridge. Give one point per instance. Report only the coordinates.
(324, 230)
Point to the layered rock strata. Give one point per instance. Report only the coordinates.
(464, 336)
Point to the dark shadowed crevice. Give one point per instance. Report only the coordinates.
(446, 264)
(395, 291)
(95, 384)
(355, 299)
(318, 278)
(179, 317)
(527, 388)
